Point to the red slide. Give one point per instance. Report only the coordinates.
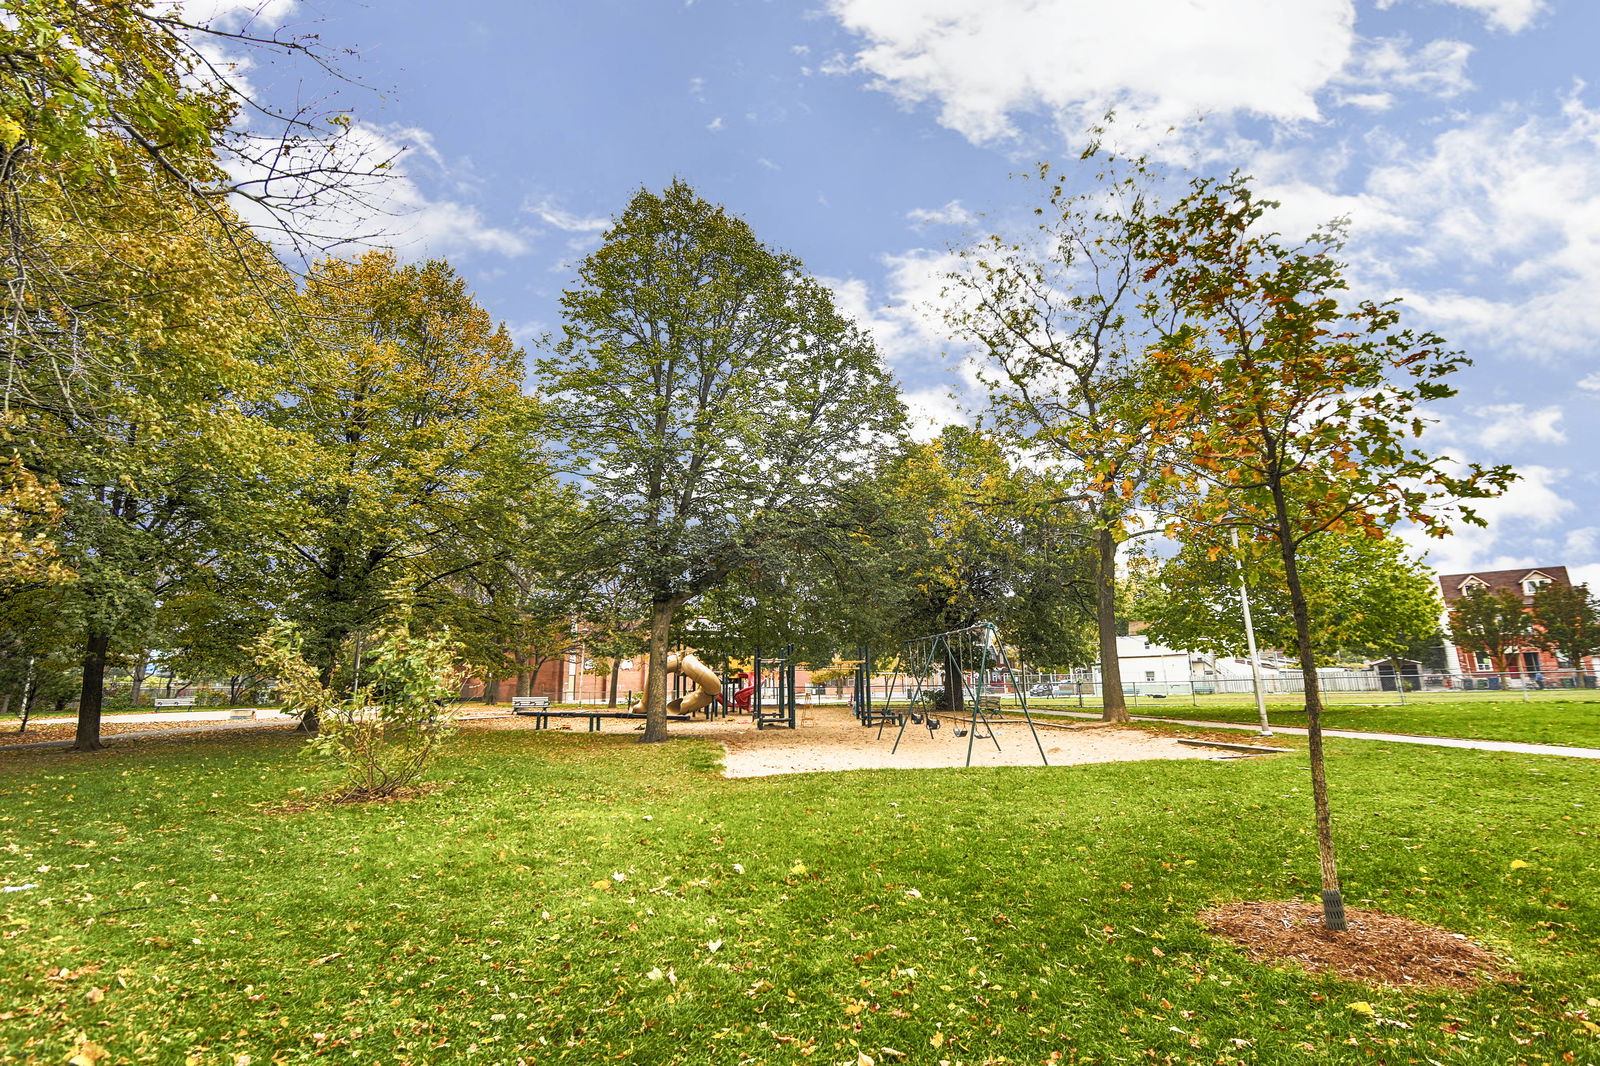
(741, 699)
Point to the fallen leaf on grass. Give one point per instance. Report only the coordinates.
(87, 1053)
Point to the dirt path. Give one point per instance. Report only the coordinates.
(829, 738)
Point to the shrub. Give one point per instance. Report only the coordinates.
(382, 733)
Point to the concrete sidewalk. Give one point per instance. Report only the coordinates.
(221, 715)
(1516, 747)
(110, 739)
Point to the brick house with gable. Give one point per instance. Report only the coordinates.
(1524, 581)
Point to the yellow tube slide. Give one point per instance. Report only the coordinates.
(710, 688)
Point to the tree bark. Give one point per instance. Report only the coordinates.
(92, 696)
(141, 667)
(1114, 707)
(616, 673)
(1332, 897)
(491, 691)
(655, 704)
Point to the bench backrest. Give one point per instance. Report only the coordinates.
(529, 701)
(176, 701)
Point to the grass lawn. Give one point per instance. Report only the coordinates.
(1551, 720)
(581, 898)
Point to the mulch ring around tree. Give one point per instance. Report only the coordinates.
(1377, 948)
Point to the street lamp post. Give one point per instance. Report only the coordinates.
(1250, 638)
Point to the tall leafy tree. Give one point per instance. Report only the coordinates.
(1568, 618)
(1297, 410)
(421, 453)
(1061, 316)
(1492, 622)
(152, 449)
(717, 403)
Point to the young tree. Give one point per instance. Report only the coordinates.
(1296, 412)
(1568, 618)
(1365, 596)
(1062, 316)
(1493, 623)
(716, 403)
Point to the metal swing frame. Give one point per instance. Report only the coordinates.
(922, 657)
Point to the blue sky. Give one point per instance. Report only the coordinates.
(1462, 137)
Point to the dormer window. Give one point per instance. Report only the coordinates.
(1534, 582)
(1472, 582)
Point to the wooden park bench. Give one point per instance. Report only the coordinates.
(175, 701)
(528, 704)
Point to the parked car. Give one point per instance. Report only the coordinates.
(1054, 689)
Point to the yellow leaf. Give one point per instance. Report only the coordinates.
(1362, 1007)
(1518, 864)
(937, 1040)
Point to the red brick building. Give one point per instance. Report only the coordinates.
(1524, 582)
(573, 678)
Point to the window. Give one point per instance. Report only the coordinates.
(1149, 675)
(1483, 662)
(626, 664)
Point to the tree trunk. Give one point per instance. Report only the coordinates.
(616, 673)
(93, 693)
(491, 691)
(955, 686)
(524, 683)
(141, 667)
(1114, 706)
(1332, 897)
(655, 705)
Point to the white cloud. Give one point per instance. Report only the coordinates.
(905, 323)
(1509, 15)
(1159, 62)
(1513, 424)
(930, 410)
(551, 214)
(1381, 67)
(1507, 206)
(1590, 382)
(1515, 533)
(951, 214)
(715, 125)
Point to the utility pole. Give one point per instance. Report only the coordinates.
(1250, 638)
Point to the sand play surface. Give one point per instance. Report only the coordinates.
(829, 738)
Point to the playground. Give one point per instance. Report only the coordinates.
(830, 737)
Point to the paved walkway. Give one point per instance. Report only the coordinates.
(110, 739)
(1514, 746)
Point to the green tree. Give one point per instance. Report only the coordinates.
(1295, 411)
(715, 400)
(1062, 316)
(153, 452)
(420, 453)
(982, 539)
(1365, 596)
(1493, 623)
(1568, 618)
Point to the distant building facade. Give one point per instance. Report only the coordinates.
(1526, 662)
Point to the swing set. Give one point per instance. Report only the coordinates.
(968, 659)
